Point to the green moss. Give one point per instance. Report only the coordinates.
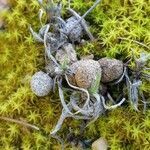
(21, 56)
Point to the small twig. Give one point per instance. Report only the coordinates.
(88, 113)
(110, 98)
(47, 51)
(35, 35)
(113, 106)
(134, 93)
(95, 4)
(81, 18)
(40, 16)
(45, 35)
(20, 122)
(63, 116)
(45, 45)
(122, 38)
(129, 88)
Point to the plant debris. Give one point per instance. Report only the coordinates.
(84, 77)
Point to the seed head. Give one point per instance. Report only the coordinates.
(41, 83)
(112, 69)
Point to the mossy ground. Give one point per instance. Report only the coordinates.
(21, 57)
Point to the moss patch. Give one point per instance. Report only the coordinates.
(21, 56)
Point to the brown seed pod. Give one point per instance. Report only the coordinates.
(112, 69)
(85, 73)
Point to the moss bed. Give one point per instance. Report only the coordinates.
(21, 57)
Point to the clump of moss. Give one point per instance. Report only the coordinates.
(120, 28)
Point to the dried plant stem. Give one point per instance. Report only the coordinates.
(98, 110)
(146, 68)
(113, 106)
(82, 22)
(133, 90)
(121, 78)
(77, 108)
(35, 35)
(61, 95)
(110, 98)
(45, 45)
(47, 51)
(40, 16)
(122, 38)
(20, 122)
(80, 89)
(63, 116)
(95, 4)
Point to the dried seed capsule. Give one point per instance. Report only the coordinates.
(67, 54)
(76, 33)
(41, 83)
(85, 73)
(112, 69)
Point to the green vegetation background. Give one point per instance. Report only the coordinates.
(21, 57)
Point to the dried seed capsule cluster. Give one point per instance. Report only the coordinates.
(83, 72)
(81, 76)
